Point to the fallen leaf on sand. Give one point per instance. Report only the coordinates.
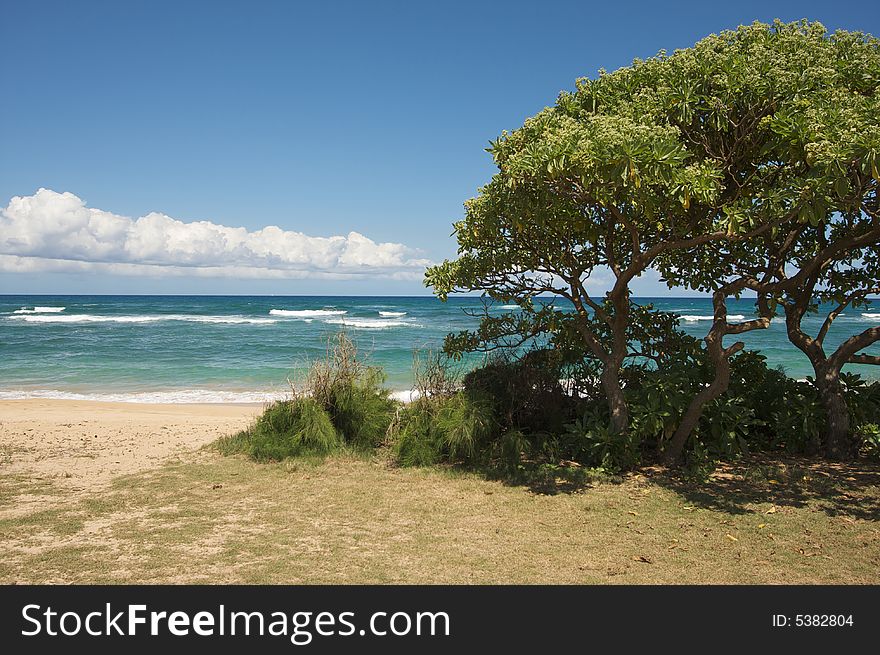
(642, 558)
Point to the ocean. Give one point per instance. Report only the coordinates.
(245, 348)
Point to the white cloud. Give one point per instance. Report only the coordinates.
(51, 231)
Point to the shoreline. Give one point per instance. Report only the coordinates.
(188, 397)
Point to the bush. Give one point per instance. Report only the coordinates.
(869, 440)
(517, 412)
(456, 428)
(862, 398)
(596, 446)
(525, 393)
(300, 427)
(417, 440)
(340, 402)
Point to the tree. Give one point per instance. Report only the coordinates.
(581, 190)
(685, 163)
(834, 263)
(787, 114)
(829, 135)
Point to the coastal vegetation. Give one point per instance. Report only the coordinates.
(746, 164)
(533, 416)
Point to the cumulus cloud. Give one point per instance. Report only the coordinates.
(52, 231)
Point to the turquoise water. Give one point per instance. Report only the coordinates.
(244, 348)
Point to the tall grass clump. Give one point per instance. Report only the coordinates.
(417, 439)
(293, 428)
(416, 435)
(351, 392)
(466, 425)
(444, 423)
(434, 429)
(339, 403)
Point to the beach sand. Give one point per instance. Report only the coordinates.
(83, 445)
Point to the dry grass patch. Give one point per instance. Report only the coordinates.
(349, 520)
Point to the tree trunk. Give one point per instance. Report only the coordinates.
(617, 406)
(691, 417)
(611, 373)
(720, 382)
(838, 440)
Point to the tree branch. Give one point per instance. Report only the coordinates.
(826, 325)
(848, 349)
(864, 359)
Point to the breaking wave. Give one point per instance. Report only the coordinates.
(370, 323)
(39, 310)
(700, 317)
(141, 318)
(306, 313)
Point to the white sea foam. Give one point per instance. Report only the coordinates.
(405, 396)
(227, 319)
(141, 318)
(694, 317)
(39, 310)
(177, 396)
(392, 314)
(873, 317)
(306, 313)
(370, 323)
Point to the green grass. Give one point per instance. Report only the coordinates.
(362, 520)
(296, 428)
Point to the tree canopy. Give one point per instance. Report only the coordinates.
(747, 162)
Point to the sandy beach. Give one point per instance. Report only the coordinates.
(83, 445)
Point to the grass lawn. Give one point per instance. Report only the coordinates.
(215, 519)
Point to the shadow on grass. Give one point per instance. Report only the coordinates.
(543, 479)
(837, 489)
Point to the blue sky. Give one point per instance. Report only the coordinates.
(319, 118)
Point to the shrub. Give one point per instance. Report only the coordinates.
(869, 440)
(351, 392)
(526, 393)
(599, 447)
(294, 428)
(726, 426)
(862, 398)
(417, 439)
(457, 428)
